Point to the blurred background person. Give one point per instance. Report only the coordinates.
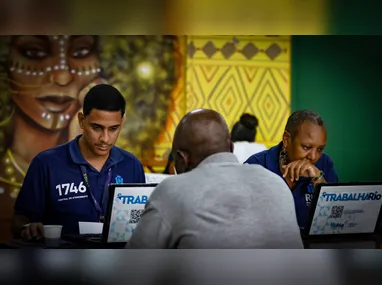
(243, 135)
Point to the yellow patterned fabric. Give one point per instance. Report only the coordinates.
(234, 75)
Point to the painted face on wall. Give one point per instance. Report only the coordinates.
(47, 73)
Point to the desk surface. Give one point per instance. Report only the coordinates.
(343, 241)
(64, 244)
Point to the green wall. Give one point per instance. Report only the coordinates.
(341, 78)
(354, 17)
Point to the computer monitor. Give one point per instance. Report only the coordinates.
(343, 210)
(124, 209)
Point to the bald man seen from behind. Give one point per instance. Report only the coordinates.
(215, 202)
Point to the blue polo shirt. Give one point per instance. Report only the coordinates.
(54, 191)
(303, 191)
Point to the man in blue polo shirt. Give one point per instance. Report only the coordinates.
(69, 183)
(299, 159)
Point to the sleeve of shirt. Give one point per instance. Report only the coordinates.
(252, 160)
(330, 173)
(152, 231)
(31, 199)
(140, 173)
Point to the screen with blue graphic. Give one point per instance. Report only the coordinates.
(346, 209)
(128, 205)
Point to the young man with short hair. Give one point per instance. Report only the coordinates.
(69, 183)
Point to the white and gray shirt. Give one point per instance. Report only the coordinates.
(220, 204)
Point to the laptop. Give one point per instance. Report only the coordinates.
(345, 213)
(125, 206)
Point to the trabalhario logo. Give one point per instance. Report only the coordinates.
(129, 199)
(351, 196)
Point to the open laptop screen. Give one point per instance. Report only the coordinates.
(341, 209)
(124, 210)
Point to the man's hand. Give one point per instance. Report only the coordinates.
(298, 168)
(32, 230)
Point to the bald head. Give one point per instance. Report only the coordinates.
(199, 134)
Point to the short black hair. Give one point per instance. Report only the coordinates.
(104, 97)
(297, 118)
(245, 128)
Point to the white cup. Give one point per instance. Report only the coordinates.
(52, 234)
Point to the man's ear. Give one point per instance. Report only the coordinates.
(181, 161)
(183, 156)
(81, 118)
(286, 139)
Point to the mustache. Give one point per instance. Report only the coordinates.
(103, 145)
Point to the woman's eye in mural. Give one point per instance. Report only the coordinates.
(81, 52)
(34, 52)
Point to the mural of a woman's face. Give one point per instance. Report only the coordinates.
(47, 73)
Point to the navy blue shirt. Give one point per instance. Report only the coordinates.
(303, 191)
(54, 191)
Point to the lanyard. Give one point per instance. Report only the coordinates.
(104, 194)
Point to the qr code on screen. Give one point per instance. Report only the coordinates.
(135, 216)
(337, 212)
